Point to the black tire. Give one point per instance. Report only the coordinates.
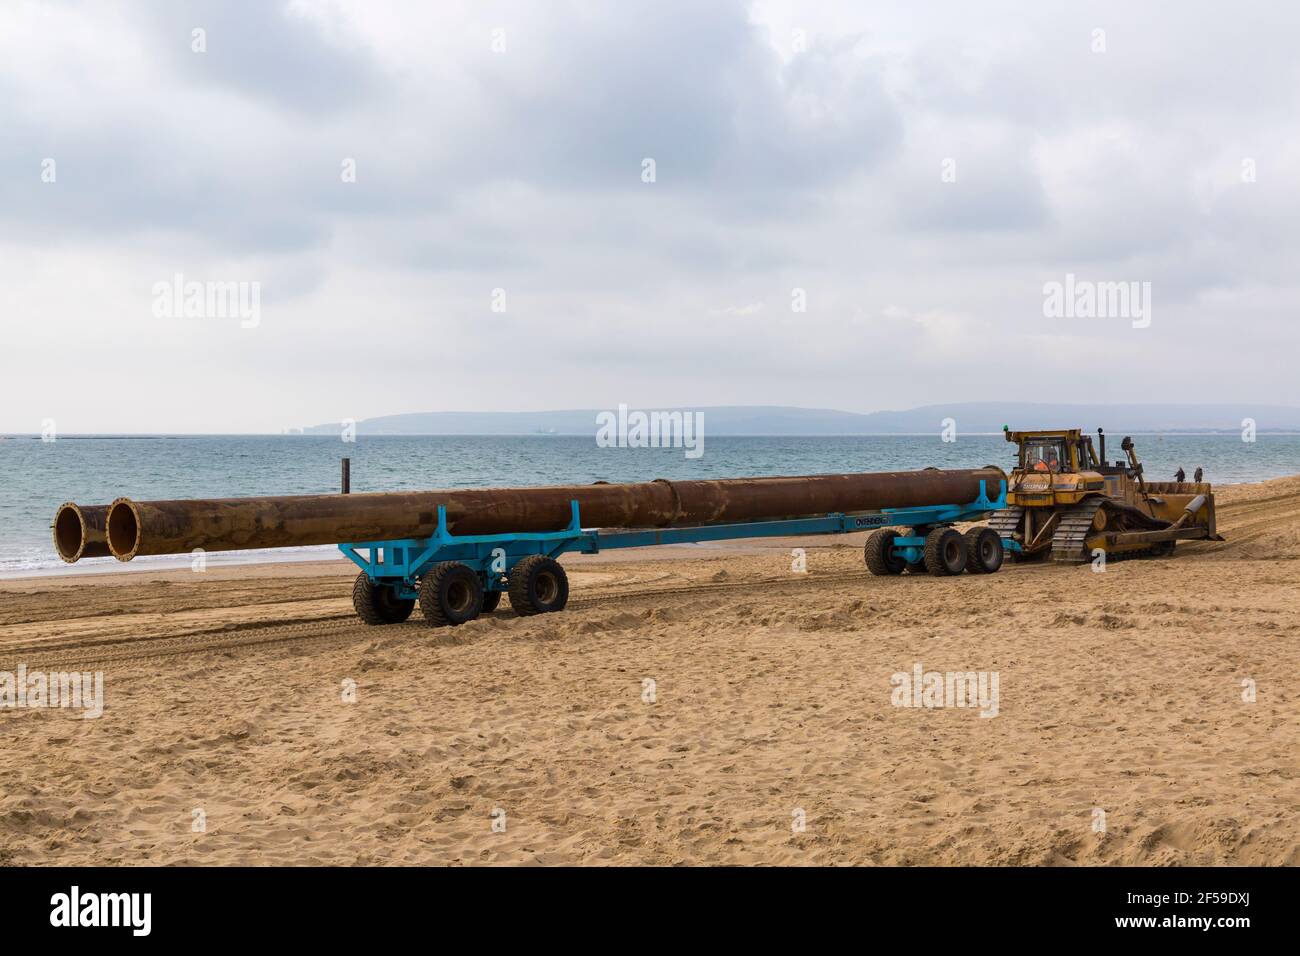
(450, 594)
(538, 585)
(984, 551)
(379, 603)
(490, 601)
(1163, 549)
(945, 552)
(877, 553)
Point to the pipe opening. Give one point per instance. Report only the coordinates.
(68, 533)
(123, 530)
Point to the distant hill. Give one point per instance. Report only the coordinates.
(971, 418)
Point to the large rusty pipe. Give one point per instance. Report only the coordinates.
(226, 524)
(80, 531)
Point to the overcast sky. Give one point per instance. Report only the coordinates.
(918, 170)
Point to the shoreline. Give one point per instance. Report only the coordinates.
(99, 567)
(297, 565)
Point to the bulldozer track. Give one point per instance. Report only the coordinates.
(113, 650)
(1072, 530)
(1254, 519)
(834, 577)
(345, 625)
(1007, 521)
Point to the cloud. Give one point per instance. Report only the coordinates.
(502, 146)
(272, 53)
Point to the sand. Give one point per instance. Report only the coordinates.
(229, 734)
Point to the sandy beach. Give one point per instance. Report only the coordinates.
(693, 705)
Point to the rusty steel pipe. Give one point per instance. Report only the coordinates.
(226, 524)
(80, 531)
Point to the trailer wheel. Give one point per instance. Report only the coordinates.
(537, 585)
(490, 601)
(879, 553)
(984, 551)
(945, 552)
(450, 594)
(379, 603)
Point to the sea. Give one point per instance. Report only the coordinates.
(37, 476)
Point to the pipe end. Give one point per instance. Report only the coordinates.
(69, 532)
(123, 529)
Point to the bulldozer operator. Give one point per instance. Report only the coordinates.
(1045, 459)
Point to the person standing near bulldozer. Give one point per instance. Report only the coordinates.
(1180, 475)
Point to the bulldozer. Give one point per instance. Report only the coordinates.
(1066, 501)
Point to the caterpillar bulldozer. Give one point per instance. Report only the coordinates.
(1066, 501)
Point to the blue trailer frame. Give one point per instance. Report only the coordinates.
(399, 563)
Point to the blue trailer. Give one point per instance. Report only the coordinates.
(455, 578)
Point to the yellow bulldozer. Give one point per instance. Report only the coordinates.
(1064, 499)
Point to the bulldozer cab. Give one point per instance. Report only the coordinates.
(1053, 452)
(1053, 468)
(1045, 454)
